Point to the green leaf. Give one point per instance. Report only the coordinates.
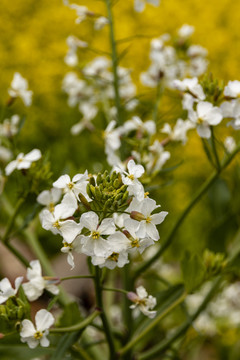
(193, 271)
(64, 343)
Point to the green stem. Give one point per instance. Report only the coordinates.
(79, 326)
(156, 105)
(12, 219)
(150, 327)
(218, 165)
(166, 344)
(202, 190)
(114, 289)
(114, 61)
(77, 277)
(106, 326)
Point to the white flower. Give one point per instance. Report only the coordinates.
(19, 87)
(147, 221)
(49, 198)
(137, 124)
(231, 109)
(186, 31)
(139, 5)
(23, 161)
(230, 144)
(73, 187)
(37, 283)
(205, 115)
(69, 247)
(34, 336)
(82, 12)
(143, 301)
(54, 220)
(157, 157)
(6, 289)
(95, 244)
(9, 128)
(232, 89)
(179, 132)
(100, 22)
(112, 137)
(190, 85)
(130, 178)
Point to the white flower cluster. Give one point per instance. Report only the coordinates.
(33, 289)
(106, 235)
(231, 108)
(142, 302)
(95, 89)
(139, 5)
(153, 157)
(19, 88)
(224, 310)
(174, 61)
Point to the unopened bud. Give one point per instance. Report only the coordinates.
(1, 335)
(84, 201)
(132, 296)
(136, 215)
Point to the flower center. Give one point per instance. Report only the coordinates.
(95, 235)
(38, 335)
(131, 177)
(70, 185)
(56, 224)
(51, 207)
(135, 243)
(200, 121)
(67, 245)
(148, 219)
(114, 257)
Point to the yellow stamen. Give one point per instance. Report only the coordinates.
(95, 235)
(114, 257)
(135, 243)
(148, 219)
(131, 177)
(38, 335)
(56, 224)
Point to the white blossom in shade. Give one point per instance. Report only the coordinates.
(190, 85)
(81, 125)
(100, 22)
(94, 244)
(73, 187)
(230, 144)
(143, 302)
(197, 66)
(6, 289)
(112, 136)
(186, 31)
(232, 89)
(35, 335)
(19, 88)
(206, 115)
(54, 221)
(146, 220)
(5, 153)
(130, 178)
(97, 67)
(179, 131)
(69, 247)
(188, 101)
(23, 161)
(49, 198)
(139, 5)
(157, 157)
(136, 124)
(37, 283)
(196, 51)
(75, 88)
(231, 109)
(9, 127)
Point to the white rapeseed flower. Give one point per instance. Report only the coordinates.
(232, 89)
(206, 115)
(34, 336)
(130, 178)
(143, 301)
(37, 283)
(139, 5)
(49, 198)
(23, 161)
(9, 127)
(19, 88)
(73, 187)
(6, 289)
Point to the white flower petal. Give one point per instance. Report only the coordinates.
(44, 320)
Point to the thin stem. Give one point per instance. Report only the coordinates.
(166, 344)
(202, 190)
(106, 326)
(77, 277)
(156, 105)
(114, 61)
(149, 328)
(218, 165)
(78, 326)
(12, 219)
(114, 289)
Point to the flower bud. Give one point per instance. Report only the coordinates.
(84, 201)
(136, 215)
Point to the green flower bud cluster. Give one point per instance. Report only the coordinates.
(212, 89)
(214, 263)
(14, 311)
(39, 175)
(108, 192)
